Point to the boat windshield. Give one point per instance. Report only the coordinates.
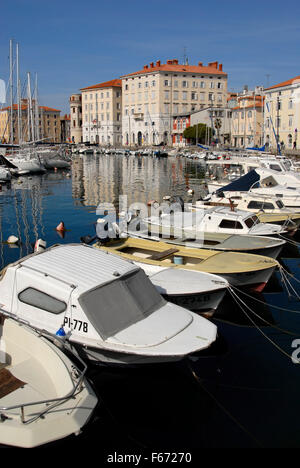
(117, 305)
(251, 221)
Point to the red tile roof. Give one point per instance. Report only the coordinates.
(24, 107)
(286, 83)
(252, 106)
(107, 84)
(173, 66)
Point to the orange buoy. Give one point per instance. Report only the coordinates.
(61, 227)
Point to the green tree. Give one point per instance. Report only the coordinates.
(197, 132)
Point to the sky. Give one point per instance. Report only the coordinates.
(74, 44)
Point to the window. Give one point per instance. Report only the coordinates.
(184, 95)
(194, 96)
(175, 95)
(260, 205)
(202, 84)
(184, 84)
(176, 84)
(290, 104)
(126, 87)
(228, 224)
(290, 120)
(167, 94)
(251, 221)
(220, 85)
(166, 82)
(153, 83)
(41, 300)
(211, 84)
(146, 84)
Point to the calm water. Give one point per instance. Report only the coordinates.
(243, 392)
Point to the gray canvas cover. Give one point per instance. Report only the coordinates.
(125, 301)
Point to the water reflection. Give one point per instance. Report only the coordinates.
(103, 179)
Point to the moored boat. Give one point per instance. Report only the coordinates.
(247, 270)
(106, 306)
(44, 396)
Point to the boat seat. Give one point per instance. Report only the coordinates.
(164, 254)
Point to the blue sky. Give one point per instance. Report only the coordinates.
(73, 44)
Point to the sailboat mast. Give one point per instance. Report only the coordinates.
(37, 127)
(30, 108)
(11, 135)
(19, 97)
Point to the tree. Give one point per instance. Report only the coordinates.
(197, 132)
(218, 125)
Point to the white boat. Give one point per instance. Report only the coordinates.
(106, 305)
(5, 175)
(258, 245)
(267, 207)
(44, 396)
(194, 290)
(284, 186)
(214, 220)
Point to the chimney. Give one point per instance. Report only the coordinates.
(200, 64)
(220, 67)
(151, 64)
(175, 62)
(158, 63)
(213, 64)
(145, 67)
(169, 62)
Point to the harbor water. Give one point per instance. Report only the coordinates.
(242, 392)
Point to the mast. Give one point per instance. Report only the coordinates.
(11, 134)
(30, 111)
(36, 109)
(19, 97)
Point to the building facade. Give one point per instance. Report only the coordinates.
(76, 118)
(65, 129)
(153, 95)
(36, 123)
(101, 113)
(247, 119)
(282, 115)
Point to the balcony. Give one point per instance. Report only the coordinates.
(138, 116)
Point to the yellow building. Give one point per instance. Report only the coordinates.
(282, 116)
(153, 95)
(42, 126)
(101, 113)
(247, 119)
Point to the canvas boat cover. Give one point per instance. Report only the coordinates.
(243, 184)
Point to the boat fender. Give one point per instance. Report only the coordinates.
(40, 245)
(61, 226)
(12, 240)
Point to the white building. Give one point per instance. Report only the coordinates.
(101, 113)
(152, 96)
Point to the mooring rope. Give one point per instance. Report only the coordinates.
(222, 407)
(284, 274)
(234, 295)
(282, 330)
(264, 303)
